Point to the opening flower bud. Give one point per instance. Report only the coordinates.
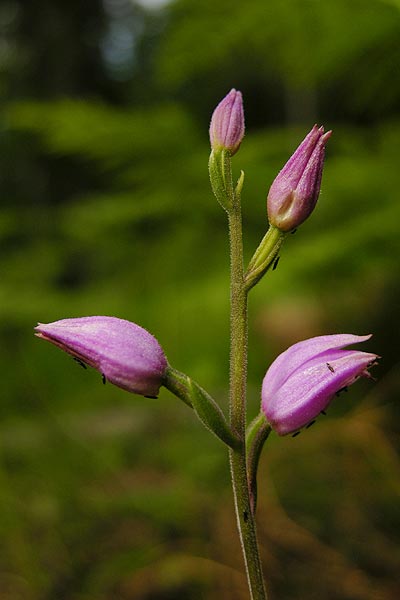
(304, 379)
(125, 354)
(295, 190)
(227, 123)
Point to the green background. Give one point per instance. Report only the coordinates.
(106, 209)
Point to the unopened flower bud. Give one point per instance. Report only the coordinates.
(127, 355)
(295, 190)
(227, 123)
(303, 380)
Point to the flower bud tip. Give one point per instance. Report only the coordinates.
(295, 190)
(227, 123)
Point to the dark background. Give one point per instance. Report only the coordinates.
(106, 209)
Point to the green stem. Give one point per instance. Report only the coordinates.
(264, 256)
(257, 434)
(202, 403)
(238, 377)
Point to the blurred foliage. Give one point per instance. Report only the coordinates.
(106, 209)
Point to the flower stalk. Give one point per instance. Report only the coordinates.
(256, 436)
(264, 257)
(202, 403)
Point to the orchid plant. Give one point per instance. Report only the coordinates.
(298, 385)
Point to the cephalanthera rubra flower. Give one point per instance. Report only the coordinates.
(227, 123)
(127, 355)
(295, 190)
(302, 381)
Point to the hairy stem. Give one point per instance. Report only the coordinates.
(238, 378)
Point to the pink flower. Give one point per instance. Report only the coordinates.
(295, 190)
(227, 123)
(302, 381)
(127, 355)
